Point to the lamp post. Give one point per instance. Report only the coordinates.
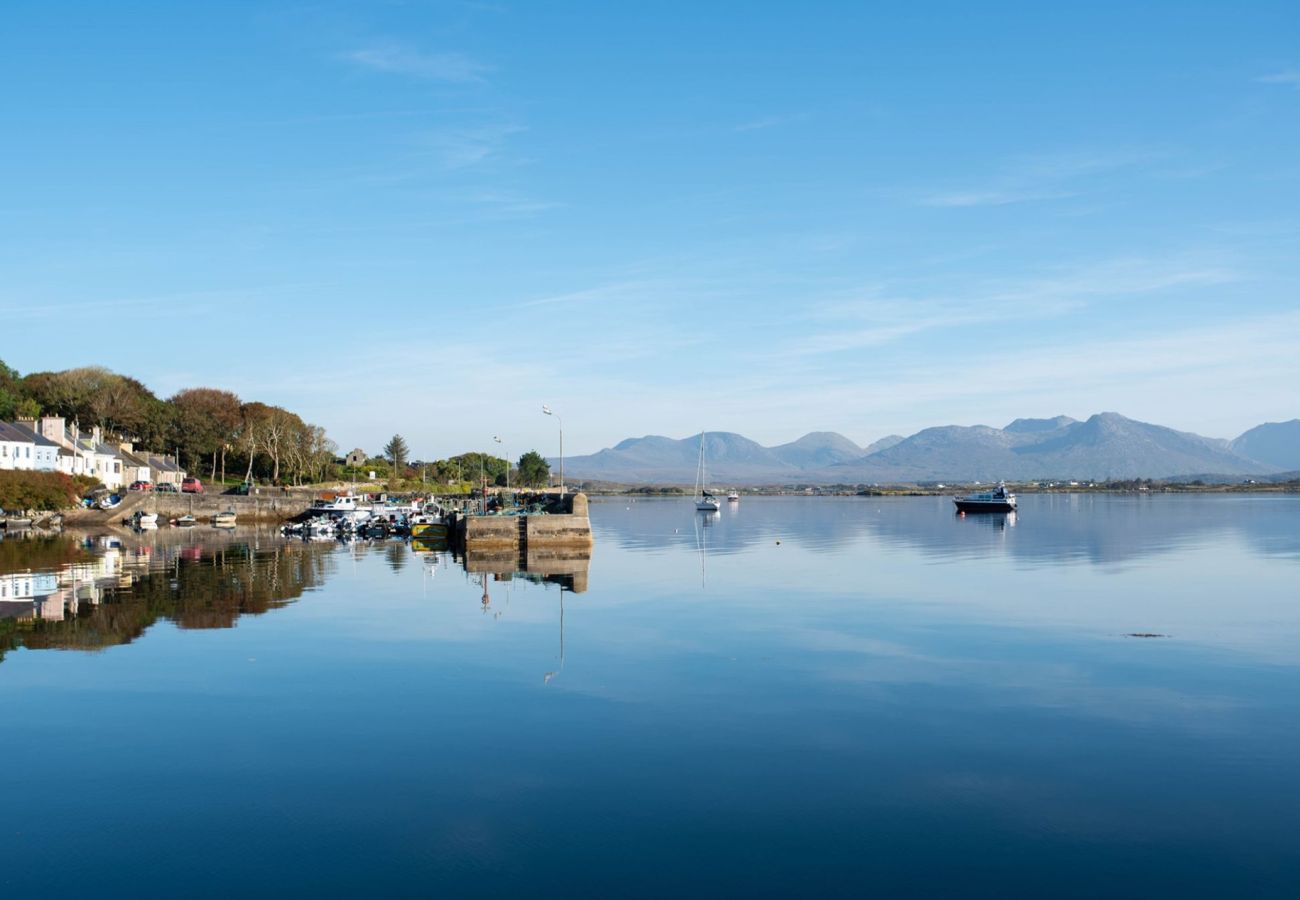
(507, 453)
(548, 411)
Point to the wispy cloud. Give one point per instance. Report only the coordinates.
(881, 316)
(1290, 77)
(763, 123)
(1036, 178)
(400, 59)
(464, 147)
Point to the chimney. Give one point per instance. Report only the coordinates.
(52, 429)
(97, 435)
(126, 447)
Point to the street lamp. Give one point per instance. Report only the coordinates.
(548, 411)
(503, 450)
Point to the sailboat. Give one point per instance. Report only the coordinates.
(704, 500)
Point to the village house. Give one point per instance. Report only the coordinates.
(17, 451)
(134, 467)
(45, 453)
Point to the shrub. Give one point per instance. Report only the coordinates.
(20, 490)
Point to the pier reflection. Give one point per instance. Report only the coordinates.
(567, 567)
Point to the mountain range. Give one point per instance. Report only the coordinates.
(1104, 446)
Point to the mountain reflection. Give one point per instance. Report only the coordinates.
(1099, 529)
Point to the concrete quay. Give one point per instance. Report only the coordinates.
(526, 534)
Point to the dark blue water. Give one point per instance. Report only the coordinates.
(801, 696)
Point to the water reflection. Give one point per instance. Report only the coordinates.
(88, 592)
(95, 591)
(1099, 529)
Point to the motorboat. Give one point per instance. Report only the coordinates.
(145, 520)
(224, 519)
(343, 506)
(186, 521)
(112, 501)
(998, 500)
(733, 496)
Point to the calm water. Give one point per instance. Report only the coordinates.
(801, 696)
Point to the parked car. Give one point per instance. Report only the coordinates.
(141, 486)
(191, 485)
(166, 488)
(243, 489)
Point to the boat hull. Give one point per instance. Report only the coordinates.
(985, 506)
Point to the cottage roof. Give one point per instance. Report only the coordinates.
(10, 432)
(165, 463)
(131, 459)
(35, 437)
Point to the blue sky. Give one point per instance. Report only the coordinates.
(432, 217)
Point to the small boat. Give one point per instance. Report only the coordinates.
(705, 501)
(998, 500)
(224, 519)
(428, 526)
(112, 501)
(13, 522)
(145, 520)
(186, 521)
(733, 497)
(344, 506)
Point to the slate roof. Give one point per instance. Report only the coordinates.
(28, 434)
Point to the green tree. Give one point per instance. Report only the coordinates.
(533, 469)
(397, 453)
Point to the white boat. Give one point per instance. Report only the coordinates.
(344, 506)
(185, 521)
(733, 497)
(224, 519)
(998, 500)
(704, 499)
(146, 520)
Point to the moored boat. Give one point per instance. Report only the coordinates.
(704, 499)
(998, 500)
(225, 519)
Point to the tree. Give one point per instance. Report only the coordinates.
(397, 453)
(206, 422)
(534, 470)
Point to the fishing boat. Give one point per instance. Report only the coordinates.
(343, 506)
(704, 499)
(224, 519)
(429, 526)
(998, 500)
(733, 497)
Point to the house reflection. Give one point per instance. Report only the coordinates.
(105, 590)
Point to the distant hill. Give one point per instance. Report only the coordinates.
(884, 443)
(1105, 446)
(820, 448)
(1274, 443)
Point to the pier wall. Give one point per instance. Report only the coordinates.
(267, 507)
(571, 529)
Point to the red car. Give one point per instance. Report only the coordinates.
(191, 486)
(141, 486)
